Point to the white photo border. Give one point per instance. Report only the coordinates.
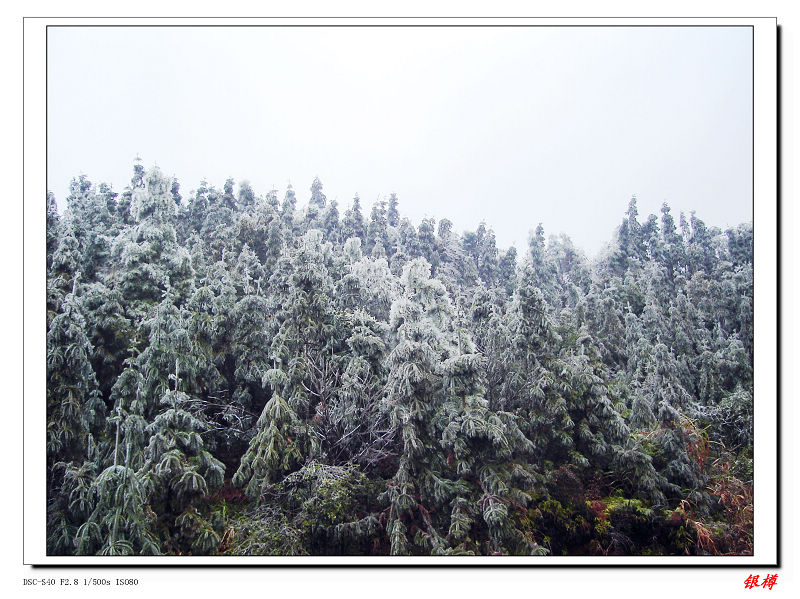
(765, 223)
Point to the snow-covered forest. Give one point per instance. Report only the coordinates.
(241, 374)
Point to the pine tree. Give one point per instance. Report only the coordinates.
(369, 284)
(218, 228)
(75, 418)
(66, 264)
(672, 252)
(507, 270)
(149, 257)
(288, 208)
(75, 408)
(665, 402)
(392, 213)
(53, 222)
(330, 223)
(246, 198)
(123, 206)
(108, 330)
(91, 223)
(299, 380)
(377, 235)
(433, 395)
(487, 256)
(249, 341)
(318, 198)
(175, 190)
(353, 222)
(257, 225)
(428, 247)
(276, 449)
(179, 470)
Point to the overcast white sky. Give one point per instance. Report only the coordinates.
(513, 126)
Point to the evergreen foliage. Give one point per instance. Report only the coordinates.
(229, 373)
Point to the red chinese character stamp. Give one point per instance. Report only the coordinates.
(770, 580)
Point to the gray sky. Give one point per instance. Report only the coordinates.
(513, 126)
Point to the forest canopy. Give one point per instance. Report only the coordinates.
(241, 374)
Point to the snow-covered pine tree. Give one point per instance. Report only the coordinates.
(353, 221)
(75, 408)
(149, 259)
(453, 478)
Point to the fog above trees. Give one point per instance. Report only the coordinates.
(517, 125)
